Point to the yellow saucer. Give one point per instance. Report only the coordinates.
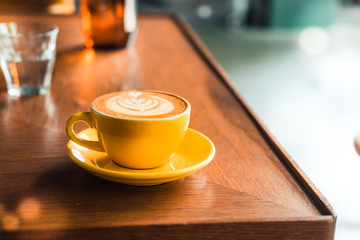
(195, 152)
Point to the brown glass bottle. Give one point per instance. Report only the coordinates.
(108, 23)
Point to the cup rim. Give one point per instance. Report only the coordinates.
(52, 29)
(187, 110)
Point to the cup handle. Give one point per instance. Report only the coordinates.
(84, 117)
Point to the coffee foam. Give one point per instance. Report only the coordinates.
(139, 104)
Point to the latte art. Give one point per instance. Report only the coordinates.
(140, 104)
(136, 104)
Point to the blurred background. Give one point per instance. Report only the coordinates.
(297, 64)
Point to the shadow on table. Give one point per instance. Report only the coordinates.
(74, 196)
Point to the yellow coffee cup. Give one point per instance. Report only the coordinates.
(137, 129)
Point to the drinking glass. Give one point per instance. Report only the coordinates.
(27, 56)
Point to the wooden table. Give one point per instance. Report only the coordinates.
(251, 190)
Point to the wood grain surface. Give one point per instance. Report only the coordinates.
(251, 190)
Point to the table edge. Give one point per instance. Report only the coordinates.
(314, 194)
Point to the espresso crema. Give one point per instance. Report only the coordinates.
(140, 104)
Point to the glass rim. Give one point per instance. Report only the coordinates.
(50, 29)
